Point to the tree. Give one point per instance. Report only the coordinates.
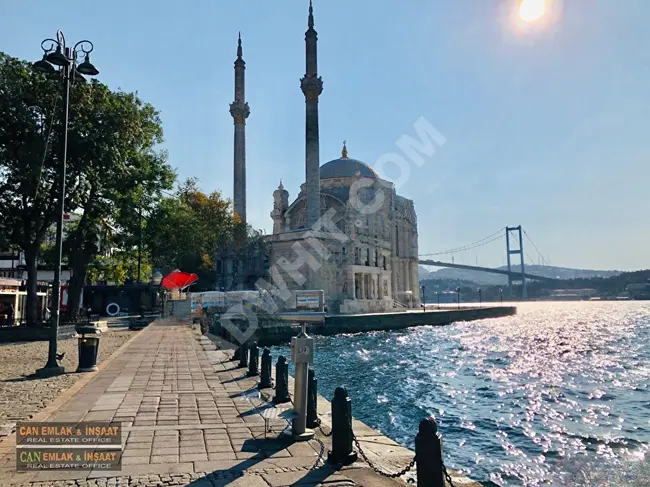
(124, 176)
(188, 230)
(117, 268)
(28, 168)
(111, 161)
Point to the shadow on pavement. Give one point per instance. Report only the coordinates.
(265, 449)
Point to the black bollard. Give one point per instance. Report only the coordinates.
(235, 356)
(254, 361)
(265, 381)
(342, 452)
(282, 381)
(428, 454)
(243, 356)
(312, 400)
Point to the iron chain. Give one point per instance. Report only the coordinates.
(390, 475)
(402, 472)
(321, 454)
(377, 470)
(320, 427)
(447, 476)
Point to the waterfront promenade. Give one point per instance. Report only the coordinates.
(190, 417)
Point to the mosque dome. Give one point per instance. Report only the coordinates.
(344, 167)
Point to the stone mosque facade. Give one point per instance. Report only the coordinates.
(347, 231)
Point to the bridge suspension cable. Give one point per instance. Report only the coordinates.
(535, 247)
(479, 243)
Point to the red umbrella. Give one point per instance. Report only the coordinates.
(178, 280)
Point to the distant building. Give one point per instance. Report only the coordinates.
(13, 295)
(573, 294)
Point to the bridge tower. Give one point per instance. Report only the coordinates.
(519, 251)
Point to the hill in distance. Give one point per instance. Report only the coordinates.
(486, 279)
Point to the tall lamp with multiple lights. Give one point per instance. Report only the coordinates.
(57, 53)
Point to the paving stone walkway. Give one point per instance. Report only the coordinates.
(190, 417)
(21, 394)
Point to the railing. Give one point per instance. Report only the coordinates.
(428, 460)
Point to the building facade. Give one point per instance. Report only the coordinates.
(363, 251)
(347, 231)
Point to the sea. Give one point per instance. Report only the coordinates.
(557, 395)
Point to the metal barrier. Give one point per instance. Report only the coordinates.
(431, 470)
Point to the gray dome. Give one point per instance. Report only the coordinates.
(346, 168)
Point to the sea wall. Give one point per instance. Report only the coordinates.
(269, 331)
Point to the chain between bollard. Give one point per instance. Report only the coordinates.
(402, 472)
(321, 454)
(447, 476)
(376, 469)
(320, 427)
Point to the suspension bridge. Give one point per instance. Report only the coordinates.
(516, 271)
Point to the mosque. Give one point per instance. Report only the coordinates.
(347, 231)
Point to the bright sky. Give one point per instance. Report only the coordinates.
(546, 124)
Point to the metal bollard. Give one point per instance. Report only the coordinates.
(312, 400)
(342, 452)
(254, 360)
(282, 381)
(243, 356)
(428, 454)
(265, 381)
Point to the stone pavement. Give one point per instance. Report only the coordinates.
(22, 395)
(190, 417)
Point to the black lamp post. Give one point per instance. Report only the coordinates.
(480, 297)
(501, 295)
(56, 52)
(424, 304)
(438, 293)
(458, 296)
(139, 243)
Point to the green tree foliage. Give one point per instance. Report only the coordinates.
(124, 175)
(112, 164)
(188, 230)
(118, 268)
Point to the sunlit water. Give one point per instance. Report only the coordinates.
(558, 395)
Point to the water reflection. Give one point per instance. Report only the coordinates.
(557, 395)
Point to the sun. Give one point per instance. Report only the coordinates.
(532, 10)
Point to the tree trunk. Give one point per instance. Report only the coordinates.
(31, 304)
(79, 257)
(79, 267)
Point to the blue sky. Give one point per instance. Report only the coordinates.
(546, 126)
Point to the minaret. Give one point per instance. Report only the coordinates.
(240, 111)
(280, 205)
(312, 87)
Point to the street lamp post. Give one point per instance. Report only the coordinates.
(458, 296)
(480, 297)
(139, 243)
(501, 295)
(438, 293)
(56, 52)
